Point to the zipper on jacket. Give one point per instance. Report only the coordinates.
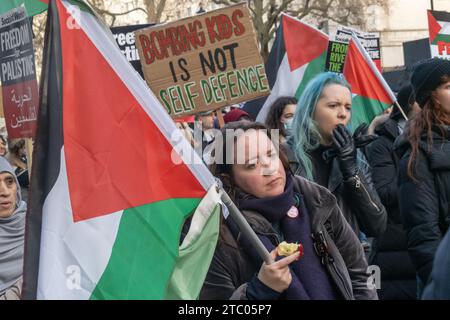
(359, 184)
(321, 248)
(336, 271)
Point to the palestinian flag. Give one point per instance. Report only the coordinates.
(33, 7)
(439, 28)
(371, 93)
(111, 189)
(298, 54)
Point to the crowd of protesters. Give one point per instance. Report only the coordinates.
(375, 195)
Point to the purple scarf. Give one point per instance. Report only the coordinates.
(310, 279)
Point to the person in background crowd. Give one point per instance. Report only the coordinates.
(280, 206)
(3, 146)
(12, 230)
(200, 8)
(322, 150)
(236, 115)
(424, 174)
(205, 123)
(187, 133)
(398, 280)
(439, 286)
(18, 159)
(281, 116)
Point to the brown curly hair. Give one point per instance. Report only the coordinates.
(431, 115)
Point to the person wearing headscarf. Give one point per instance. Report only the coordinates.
(12, 230)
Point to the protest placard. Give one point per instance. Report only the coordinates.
(18, 74)
(337, 48)
(204, 62)
(124, 36)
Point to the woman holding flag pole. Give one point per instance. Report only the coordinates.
(284, 211)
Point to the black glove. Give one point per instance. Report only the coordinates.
(345, 149)
(360, 138)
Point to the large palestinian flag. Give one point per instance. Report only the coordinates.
(298, 54)
(439, 28)
(371, 93)
(33, 6)
(111, 188)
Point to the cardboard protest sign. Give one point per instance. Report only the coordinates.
(18, 74)
(337, 48)
(439, 28)
(204, 62)
(125, 39)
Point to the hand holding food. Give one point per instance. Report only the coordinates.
(287, 249)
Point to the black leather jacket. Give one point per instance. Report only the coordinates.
(356, 197)
(231, 269)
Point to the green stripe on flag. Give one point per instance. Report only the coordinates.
(365, 109)
(441, 37)
(33, 7)
(314, 67)
(145, 251)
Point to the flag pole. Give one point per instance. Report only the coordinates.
(377, 73)
(244, 226)
(401, 110)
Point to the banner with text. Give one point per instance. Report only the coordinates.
(18, 74)
(124, 37)
(337, 48)
(204, 62)
(439, 28)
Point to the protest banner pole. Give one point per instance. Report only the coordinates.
(29, 148)
(245, 228)
(401, 110)
(219, 116)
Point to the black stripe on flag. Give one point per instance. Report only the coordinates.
(272, 65)
(47, 151)
(442, 16)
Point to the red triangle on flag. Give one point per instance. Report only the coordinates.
(361, 77)
(433, 26)
(116, 157)
(302, 42)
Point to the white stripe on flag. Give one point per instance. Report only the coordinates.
(66, 246)
(286, 84)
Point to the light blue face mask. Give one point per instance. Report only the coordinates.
(288, 126)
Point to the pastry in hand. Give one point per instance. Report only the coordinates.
(286, 249)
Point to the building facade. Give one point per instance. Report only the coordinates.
(400, 21)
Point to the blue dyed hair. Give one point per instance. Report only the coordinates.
(306, 136)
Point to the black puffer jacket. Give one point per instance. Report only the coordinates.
(389, 251)
(424, 203)
(356, 197)
(231, 269)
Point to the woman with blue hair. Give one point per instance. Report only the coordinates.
(323, 150)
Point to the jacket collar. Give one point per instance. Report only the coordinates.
(318, 200)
